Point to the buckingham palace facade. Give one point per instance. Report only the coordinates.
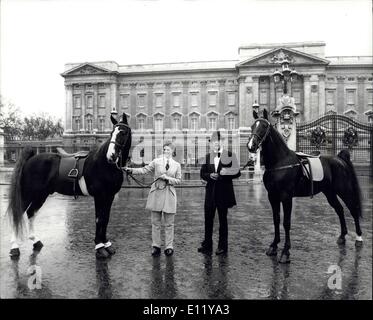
(186, 101)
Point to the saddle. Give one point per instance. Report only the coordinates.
(70, 178)
(311, 167)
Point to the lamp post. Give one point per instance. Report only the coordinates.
(285, 75)
(285, 113)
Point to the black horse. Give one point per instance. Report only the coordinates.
(35, 177)
(283, 178)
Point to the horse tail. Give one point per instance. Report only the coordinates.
(16, 206)
(356, 191)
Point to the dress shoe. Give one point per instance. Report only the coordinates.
(221, 251)
(169, 252)
(156, 251)
(205, 250)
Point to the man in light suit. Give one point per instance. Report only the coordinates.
(220, 167)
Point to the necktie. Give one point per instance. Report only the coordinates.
(167, 165)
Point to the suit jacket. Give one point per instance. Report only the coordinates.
(162, 195)
(220, 192)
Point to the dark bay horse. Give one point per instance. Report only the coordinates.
(283, 178)
(36, 176)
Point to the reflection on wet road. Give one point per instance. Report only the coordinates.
(68, 268)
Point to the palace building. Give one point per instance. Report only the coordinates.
(188, 100)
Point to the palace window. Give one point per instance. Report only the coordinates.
(263, 98)
(89, 101)
(77, 124)
(330, 97)
(176, 123)
(194, 100)
(212, 124)
(176, 100)
(158, 124)
(231, 99)
(101, 101)
(212, 99)
(231, 123)
(350, 79)
(141, 100)
(89, 124)
(194, 123)
(351, 97)
(124, 101)
(141, 124)
(158, 100)
(76, 101)
(101, 124)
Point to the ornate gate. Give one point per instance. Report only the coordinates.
(332, 132)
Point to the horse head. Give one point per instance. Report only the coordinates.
(120, 141)
(259, 131)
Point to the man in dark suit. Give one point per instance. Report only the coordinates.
(220, 167)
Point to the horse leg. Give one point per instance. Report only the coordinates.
(15, 238)
(102, 206)
(287, 207)
(108, 245)
(334, 202)
(355, 214)
(31, 214)
(275, 203)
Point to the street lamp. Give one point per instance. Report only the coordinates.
(285, 75)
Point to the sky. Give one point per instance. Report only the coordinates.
(39, 36)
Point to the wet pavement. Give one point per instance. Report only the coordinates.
(68, 267)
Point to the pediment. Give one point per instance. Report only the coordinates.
(275, 56)
(84, 69)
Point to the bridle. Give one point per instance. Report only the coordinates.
(261, 139)
(121, 146)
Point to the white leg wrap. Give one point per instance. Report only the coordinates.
(107, 244)
(359, 238)
(99, 245)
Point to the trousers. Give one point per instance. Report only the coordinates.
(223, 226)
(169, 220)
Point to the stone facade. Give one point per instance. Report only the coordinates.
(189, 100)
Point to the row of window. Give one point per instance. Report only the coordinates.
(351, 97)
(159, 123)
(159, 100)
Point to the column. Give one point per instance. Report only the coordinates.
(69, 107)
(242, 109)
(185, 108)
(272, 95)
(221, 109)
(149, 105)
(167, 124)
(307, 94)
(340, 95)
(203, 103)
(360, 95)
(83, 108)
(133, 105)
(322, 103)
(95, 107)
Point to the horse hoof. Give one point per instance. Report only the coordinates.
(102, 253)
(271, 251)
(341, 240)
(110, 250)
(38, 245)
(358, 244)
(285, 258)
(14, 253)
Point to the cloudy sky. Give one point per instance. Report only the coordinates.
(39, 36)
